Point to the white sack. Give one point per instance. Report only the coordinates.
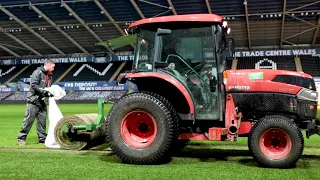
(54, 114)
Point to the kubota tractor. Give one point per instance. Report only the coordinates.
(185, 92)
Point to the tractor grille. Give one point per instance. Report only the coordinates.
(255, 103)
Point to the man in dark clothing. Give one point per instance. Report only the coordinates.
(36, 106)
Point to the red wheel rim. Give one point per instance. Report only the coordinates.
(138, 129)
(275, 144)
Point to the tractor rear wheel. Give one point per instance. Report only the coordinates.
(177, 144)
(140, 129)
(276, 142)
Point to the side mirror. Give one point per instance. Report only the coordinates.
(231, 47)
(162, 32)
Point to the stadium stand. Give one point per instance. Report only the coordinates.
(59, 69)
(6, 72)
(93, 95)
(127, 66)
(22, 85)
(26, 73)
(3, 95)
(92, 72)
(79, 72)
(86, 95)
(311, 65)
(278, 62)
(17, 96)
(71, 96)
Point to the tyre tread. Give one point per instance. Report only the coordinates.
(286, 122)
(161, 154)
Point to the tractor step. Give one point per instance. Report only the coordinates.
(215, 134)
(218, 134)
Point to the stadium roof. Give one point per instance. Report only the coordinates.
(54, 27)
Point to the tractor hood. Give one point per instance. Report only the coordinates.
(267, 80)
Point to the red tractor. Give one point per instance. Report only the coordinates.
(185, 92)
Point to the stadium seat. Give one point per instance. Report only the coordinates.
(310, 65)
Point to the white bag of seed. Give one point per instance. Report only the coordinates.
(54, 114)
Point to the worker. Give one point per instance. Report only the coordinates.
(36, 106)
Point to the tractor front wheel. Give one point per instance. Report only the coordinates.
(140, 129)
(276, 142)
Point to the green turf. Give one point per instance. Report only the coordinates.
(199, 160)
(192, 163)
(11, 117)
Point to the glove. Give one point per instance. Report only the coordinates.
(48, 94)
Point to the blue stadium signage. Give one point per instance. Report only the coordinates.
(293, 52)
(7, 89)
(107, 59)
(72, 84)
(87, 59)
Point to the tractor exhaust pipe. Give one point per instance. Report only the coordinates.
(233, 130)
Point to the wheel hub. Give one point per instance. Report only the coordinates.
(275, 144)
(138, 129)
(143, 127)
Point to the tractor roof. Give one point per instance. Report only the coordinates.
(179, 18)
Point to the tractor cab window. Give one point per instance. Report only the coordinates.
(190, 55)
(145, 51)
(188, 49)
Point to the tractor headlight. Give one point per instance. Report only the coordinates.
(307, 94)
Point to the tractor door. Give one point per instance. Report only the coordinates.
(191, 56)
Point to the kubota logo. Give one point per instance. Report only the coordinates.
(240, 88)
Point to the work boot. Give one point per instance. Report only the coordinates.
(22, 142)
(42, 141)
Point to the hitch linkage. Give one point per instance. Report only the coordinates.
(312, 129)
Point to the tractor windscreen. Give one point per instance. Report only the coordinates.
(182, 48)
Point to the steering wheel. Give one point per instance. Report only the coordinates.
(189, 67)
(143, 65)
(196, 68)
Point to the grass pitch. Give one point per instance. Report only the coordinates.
(199, 160)
(11, 117)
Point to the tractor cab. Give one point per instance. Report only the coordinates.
(190, 51)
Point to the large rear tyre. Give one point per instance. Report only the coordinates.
(177, 145)
(140, 129)
(276, 142)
